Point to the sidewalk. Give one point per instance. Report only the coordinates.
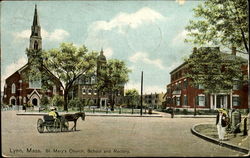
(164, 114)
(209, 132)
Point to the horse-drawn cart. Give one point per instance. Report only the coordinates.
(59, 124)
(52, 125)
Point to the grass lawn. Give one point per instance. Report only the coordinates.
(211, 131)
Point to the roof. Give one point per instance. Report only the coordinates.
(225, 56)
(179, 67)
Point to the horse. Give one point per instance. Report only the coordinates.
(74, 117)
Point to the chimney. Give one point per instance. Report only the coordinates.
(234, 51)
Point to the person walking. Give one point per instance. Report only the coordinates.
(221, 123)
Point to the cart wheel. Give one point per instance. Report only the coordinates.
(50, 127)
(40, 126)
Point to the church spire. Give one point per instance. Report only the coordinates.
(35, 37)
(101, 53)
(35, 28)
(35, 19)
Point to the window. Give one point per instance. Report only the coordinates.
(236, 100)
(236, 86)
(200, 86)
(35, 84)
(200, 100)
(178, 87)
(83, 90)
(36, 45)
(87, 81)
(93, 80)
(90, 91)
(24, 100)
(185, 84)
(178, 101)
(54, 89)
(13, 88)
(185, 100)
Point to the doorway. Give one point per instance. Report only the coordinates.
(34, 102)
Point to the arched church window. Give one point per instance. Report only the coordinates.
(35, 45)
(54, 89)
(13, 88)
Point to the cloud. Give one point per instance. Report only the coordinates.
(133, 20)
(108, 52)
(10, 69)
(181, 2)
(56, 35)
(179, 38)
(143, 57)
(147, 89)
(25, 34)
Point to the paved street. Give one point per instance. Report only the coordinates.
(108, 136)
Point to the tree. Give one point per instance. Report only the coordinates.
(113, 78)
(45, 101)
(57, 100)
(132, 96)
(67, 63)
(214, 70)
(220, 22)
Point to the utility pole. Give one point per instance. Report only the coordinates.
(141, 90)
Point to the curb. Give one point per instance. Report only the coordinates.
(182, 116)
(215, 141)
(98, 115)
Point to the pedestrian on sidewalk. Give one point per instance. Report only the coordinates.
(221, 123)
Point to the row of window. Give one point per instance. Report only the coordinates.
(178, 86)
(89, 91)
(33, 85)
(183, 85)
(152, 101)
(202, 101)
(89, 80)
(178, 74)
(152, 96)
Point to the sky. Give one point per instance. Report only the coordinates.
(147, 35)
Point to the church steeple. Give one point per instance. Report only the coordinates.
(35, 19)
(102, 57)
(35, 37)
(101, 63)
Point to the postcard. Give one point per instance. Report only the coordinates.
(125, 78)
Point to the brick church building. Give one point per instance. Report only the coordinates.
(18, 88)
